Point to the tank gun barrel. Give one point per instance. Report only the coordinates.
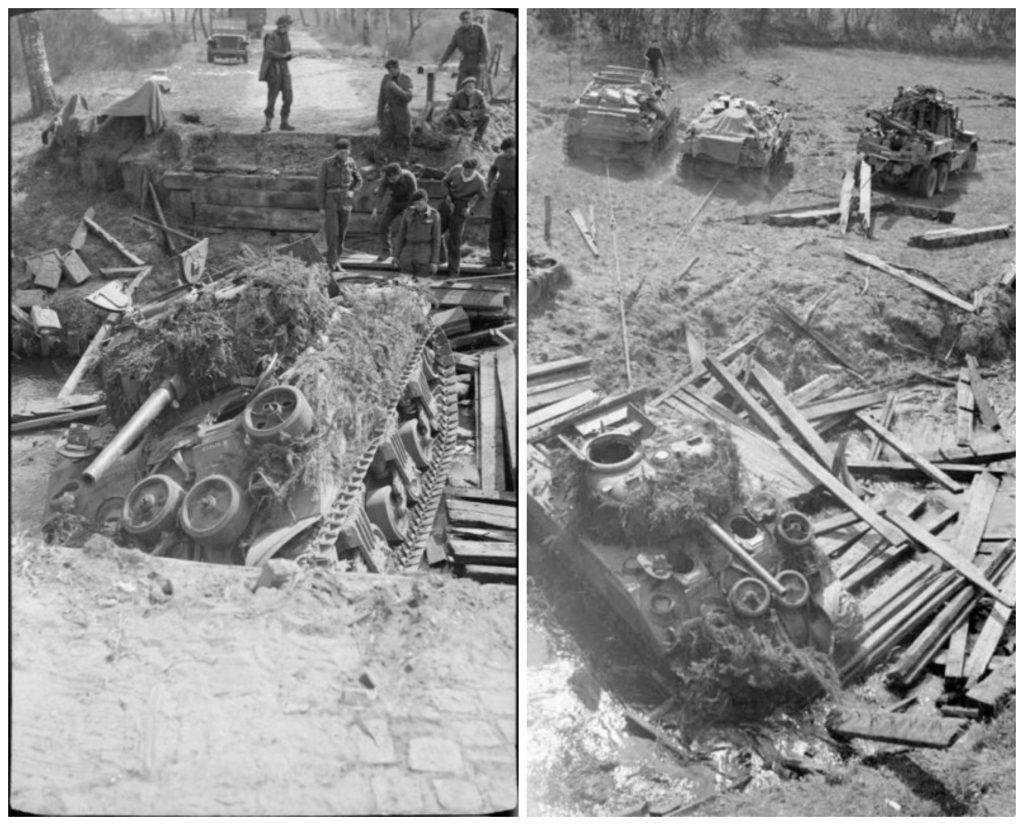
(157, 402)
(744, 558)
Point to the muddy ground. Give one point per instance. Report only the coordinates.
(323, 697)
(887, 329)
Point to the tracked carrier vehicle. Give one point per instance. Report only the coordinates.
(919, 140)
(623, 114)
(734, 138)
(337, 450)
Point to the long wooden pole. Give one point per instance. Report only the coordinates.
(618, 280)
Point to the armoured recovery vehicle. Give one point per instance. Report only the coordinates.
(623, 113)
(919, 140)
(649, 517)
(735, 138)
(264, 419)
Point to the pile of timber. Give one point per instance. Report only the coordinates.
(927, 575)
(476, 313)
(557, 380)
(279, 203)
(481, 498)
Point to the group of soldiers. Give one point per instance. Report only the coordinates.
(418, 248)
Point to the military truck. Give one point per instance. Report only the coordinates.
(735, 138)
(919, 140)
(228, 40)
(622, 114)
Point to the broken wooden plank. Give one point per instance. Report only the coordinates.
(824, 343)
(908, 453)
(487, 441)
(964, 408)
(864, 204)
(481, 533)
(768, 425)
(885, 419)
(772, 388)
(114, 242)
(573, 364)
(813, 389)
(944, 238)
(580, 222)
(550, 413)
(481, 514)
(497, 335)
(42, 422)
(927, 213)
(906, 277)
(973, 455)
(452, 321)
(725, 357)
(807, 218)
(992, 631)
(475, 494)
(895, 728)
(999, 684)
(986, 412)
(488, 573)
(904, 469)
(507, 394)
(500, 553)
(536, 400)
(845, 200)
(948, 554)
(694, 348)
(842, 405)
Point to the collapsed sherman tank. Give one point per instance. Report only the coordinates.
(623, 113)
(725, 590)
(257, 417)
(919, 140)
(735, 138)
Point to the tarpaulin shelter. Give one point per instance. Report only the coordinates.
(146, 103)
(73, 121)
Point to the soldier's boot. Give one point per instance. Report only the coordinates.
(266, 126)
(286, 126)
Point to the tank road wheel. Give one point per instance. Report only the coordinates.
(417, 443)
(279, 413)
(387, 513)
(215, 512)
(794, 528)
(927, 182)
(571, 147)
(750, 597)
(151, 507)
(798, 591)
(971, 161)
(942, 169)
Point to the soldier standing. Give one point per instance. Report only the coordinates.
(336, 184)
(655, 59)
(467, 108)
(463, 187)
(393, 197)
(503, 177)
(274, 71)
(393, 113)
(471, 41)
(418, 245)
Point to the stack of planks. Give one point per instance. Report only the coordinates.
(558, 380)
(281, 203)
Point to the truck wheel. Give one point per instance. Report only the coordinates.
(971, 163)
(914, 181)
(942, 171)
(571, 147)
(245, 58)
(928, 181)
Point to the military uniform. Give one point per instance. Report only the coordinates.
(418, 245)
(467, 108)
(275, 73)
(336, 184)
(502, 235)
(393, 116)
(472, 45)
(458, 195)
(394, 197)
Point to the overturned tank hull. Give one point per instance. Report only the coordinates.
(270, 466)
(621, 115)
(734, 139)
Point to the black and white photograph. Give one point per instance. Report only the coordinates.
(770, 425)
(263, 412)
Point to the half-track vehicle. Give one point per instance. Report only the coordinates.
(331, 439)
(919, 140)
(734, 138)
(623, 113)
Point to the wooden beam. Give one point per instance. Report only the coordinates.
(973, 455)
(906, 277)
(824, 343)
(760, 416)
(986, 412)
(964, 409)
(864, 467)
(815, 388)
(997, 685)
(896, 728)
(808, 218)
(842, 405)
(488, 443)
(573, 364)
(499, 553)
(845, 201)
(114, 242)
(908, 452)
(864, 204)
(992, 631)
(947, 553)
(536, 400)
(885, 419)
(944, 238)
(507, 391)
(694, 348)
(481, 514)
(772, 388)
(576, 216)
(728, 355)
(554, 411)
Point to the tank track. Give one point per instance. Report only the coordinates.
(406, 555)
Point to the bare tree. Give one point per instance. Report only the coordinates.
(174, 25)
(366, 27)
(302, 18)
(387, 33)
(415, 23)
(37, 67)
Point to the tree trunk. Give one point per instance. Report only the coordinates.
(202, 25)
(415, 21)
(192, 20)
(302, 18)
(366, 27)
(316, 15)
(43, 95)
(387, 33)
(174, 25)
